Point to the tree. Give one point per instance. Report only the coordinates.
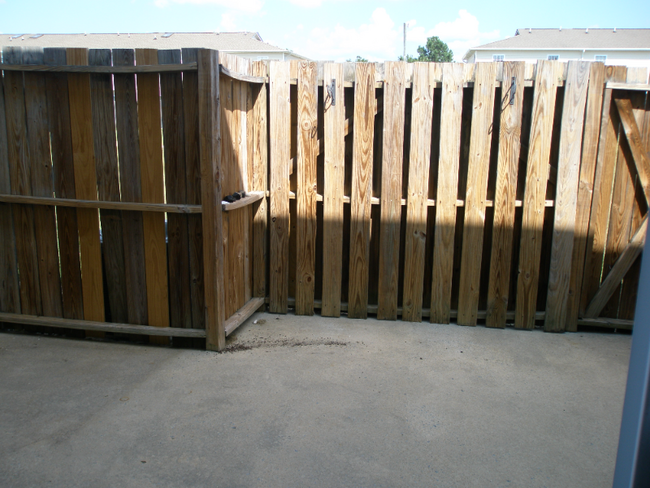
(358, 60)
(435, 51)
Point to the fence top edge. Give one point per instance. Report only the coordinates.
(161, 68)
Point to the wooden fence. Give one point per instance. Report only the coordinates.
(498, 192)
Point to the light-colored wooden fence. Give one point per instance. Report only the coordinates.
(504, 193)
(463, 192)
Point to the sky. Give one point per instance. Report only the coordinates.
(325, 29)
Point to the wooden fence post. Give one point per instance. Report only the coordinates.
(210, 143)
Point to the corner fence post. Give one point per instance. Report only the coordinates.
(210, 154)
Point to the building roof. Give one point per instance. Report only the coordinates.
(223, 41)
(576, 39)
(590, 39)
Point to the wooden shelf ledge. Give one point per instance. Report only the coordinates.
(251, 197)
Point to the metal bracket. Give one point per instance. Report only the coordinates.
(331, 91)
(513, 90)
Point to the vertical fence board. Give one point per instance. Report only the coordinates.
(20, 176)
(477, 176)
(364, 110)
(568, 174)
(505, 192)
(85, 178)
(306, 190)
(58, 111)
(108, 185)
(334, 177)
(193, 181)
(41, 184)
(178, 255)
(417, 191)
(260, 183)
(130, 179)
(151, 171)
(535, 192)
(280, 144)
(391, 188)
(601, 198)
(585, 189)
(211, 177)
(443, 251)
(9, 288)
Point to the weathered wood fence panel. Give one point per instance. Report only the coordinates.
(120, 131)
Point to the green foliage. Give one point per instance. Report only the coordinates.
(358, 60)
(435, 51)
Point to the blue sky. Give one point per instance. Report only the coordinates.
(324, 29)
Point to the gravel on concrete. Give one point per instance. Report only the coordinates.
(315, 402)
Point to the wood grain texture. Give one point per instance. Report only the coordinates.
(20, 178)
(193, 181)
(211, 180)
(9, 287)
(85, 179)
(306, 190)
(505, 194)
(618, 271)
(280, 145)
(41, 185)
(591, 133)
(58, 111)
(537, 169)
(260, 183)
(108, 186)
(391, 188)
(130, 181)
(477, 176)
(634, 140)
(178, 254)
(447, 190)
(417, 192)
(151, 172)
(362, 157)
(334, 177)
(243, 314)
(566, 198)
(601, 198)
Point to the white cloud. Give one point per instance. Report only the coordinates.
(460, 34)
(307, 3)
(376, 40)
(244, 5)
(228, 22)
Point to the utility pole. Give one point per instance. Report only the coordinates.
(404, 41)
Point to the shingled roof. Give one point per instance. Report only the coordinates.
(223, 41)
(573, 39)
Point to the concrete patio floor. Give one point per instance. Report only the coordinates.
(311, 401)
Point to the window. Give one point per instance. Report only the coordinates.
(601, 58)
(553, 57)
(498, 57)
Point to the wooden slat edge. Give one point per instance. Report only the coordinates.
(250, 198)
(239, 76)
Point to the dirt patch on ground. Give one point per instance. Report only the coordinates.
(260, 342)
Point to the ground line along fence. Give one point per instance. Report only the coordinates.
(495, 192)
